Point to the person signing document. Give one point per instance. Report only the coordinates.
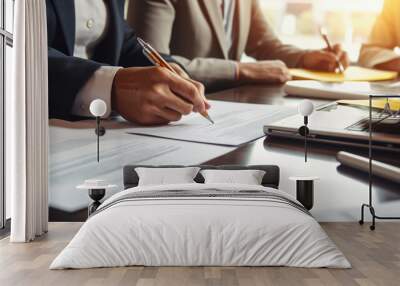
(209, 38)
(93, 53)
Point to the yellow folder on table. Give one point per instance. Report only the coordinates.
(352, 73)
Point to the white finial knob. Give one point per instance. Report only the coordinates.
(98, 108)
(306, 107)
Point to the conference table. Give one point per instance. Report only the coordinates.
(339, 192)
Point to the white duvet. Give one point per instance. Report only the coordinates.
(200, 231)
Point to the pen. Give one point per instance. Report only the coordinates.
(156, 59)
(324, 36)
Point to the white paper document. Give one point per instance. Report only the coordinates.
(73, 160)
(235, 124)
(339, 90)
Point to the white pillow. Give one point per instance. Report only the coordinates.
(166, 176)
(246, 177)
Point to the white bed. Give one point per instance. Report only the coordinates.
(225, 225)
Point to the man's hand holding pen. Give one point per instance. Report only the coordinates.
(159, 94)
(155, 95)
(154, 57)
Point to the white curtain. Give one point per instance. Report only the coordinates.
(27, 124)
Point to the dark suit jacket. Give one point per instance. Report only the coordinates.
(68, 74)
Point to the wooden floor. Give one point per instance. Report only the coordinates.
(375, 257)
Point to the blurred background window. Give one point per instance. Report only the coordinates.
(347, 21)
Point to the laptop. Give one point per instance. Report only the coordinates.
(342, 124)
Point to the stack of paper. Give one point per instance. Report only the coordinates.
(352, 73)
(339, 90)
(394, 103)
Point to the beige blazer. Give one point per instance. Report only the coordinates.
(193, 32)
(385, 36)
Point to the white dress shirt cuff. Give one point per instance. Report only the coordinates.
(99, 86)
